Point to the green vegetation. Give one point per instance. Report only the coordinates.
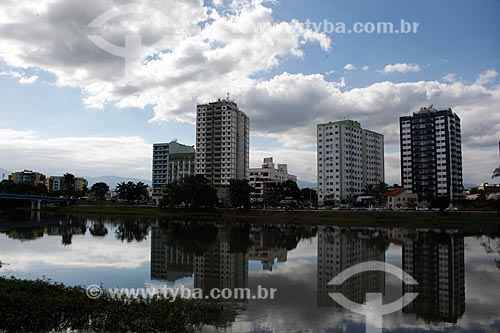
(132, 192)
(496, 173)
(240, 190)
(190, 191)
(68, 184)
(43, 306)
(98, 191)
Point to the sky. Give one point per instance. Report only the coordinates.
(71, 104)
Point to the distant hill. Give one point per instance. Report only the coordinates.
(304, 184)
(113, 180)
(469, 185)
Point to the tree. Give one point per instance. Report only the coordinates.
(440, 202)
(191, 191)
(288, 189)
(132, 192)
(99, 190)
(141, 193)
(309, 197)
(68, 184)
(496, 173)
(369, 189)
(239, 191)
(380, 189)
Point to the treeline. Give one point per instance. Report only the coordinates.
(196, 192)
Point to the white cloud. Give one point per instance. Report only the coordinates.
(349, 67)
(366, 68)
(486, 77)
(401, 68)
(23, 79)
(84, 156)
(330, 72)
(28, 80)
(450, 78)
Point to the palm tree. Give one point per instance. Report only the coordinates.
(369, 190)
(496, 173)
(69, 184)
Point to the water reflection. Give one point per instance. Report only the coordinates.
(436, 261)
(339, 249)
(298, 260)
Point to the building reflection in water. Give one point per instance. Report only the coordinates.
(219, 267)
(265, 249)
(217, 255)
(341, 248)
(436, 261)
(168, 262)
(28, 230)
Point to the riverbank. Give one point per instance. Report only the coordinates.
(43, 306)
(415, 219)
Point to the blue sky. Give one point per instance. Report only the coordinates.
(56, 86)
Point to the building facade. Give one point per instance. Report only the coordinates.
(431, 154)
(171, 161)
(56, 183)
(265, 178)
(401, 198)
(222, 144)
(349, 158)
(28, 177)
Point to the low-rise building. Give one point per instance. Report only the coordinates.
(81, 184)
(399, 197)
(265, 179)
(56, 183)
(28, 177)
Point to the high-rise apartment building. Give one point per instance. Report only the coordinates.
(171, 161)
(431, 154)
(222, 144)
(349, 158)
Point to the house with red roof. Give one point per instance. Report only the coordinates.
(400, 197)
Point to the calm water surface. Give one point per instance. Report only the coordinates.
(458, 274)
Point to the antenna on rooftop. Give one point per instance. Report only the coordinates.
(228, 97)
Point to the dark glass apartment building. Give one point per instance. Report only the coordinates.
(431, 154)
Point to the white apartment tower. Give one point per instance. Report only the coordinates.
(349, 158)
(171, 161)
(222, 144)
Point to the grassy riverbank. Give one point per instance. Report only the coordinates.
(462, 220)
(41, 306)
